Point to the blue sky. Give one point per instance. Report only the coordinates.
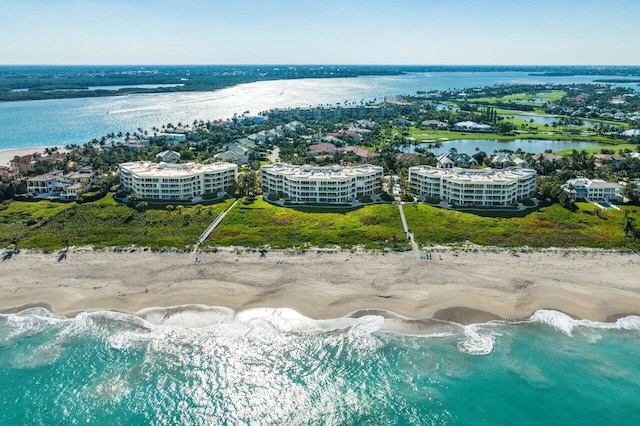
(322, 31)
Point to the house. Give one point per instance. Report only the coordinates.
(449, 160)
(246, 143)
(411, 159)
(471, 126)
(507, 160)
(232, 157)
(631, 132)
(67, 185)
(321, 148)
(435, 124)
(8, 172)
(358, 151)
(172, 138)
(402, 122)
(614, 161)
(259, 137)
(25, 163)
(595, 190)
(45, 183)
(332, 139)
(357, 137)
(366, 123)
(294, 126)
(547, 156)
(168, 156)
(134, 144)
(502, 161)
(252, 119)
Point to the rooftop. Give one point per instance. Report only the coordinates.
(174, 170)
(331, 172)
(475, 175)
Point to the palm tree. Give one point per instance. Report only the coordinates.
(628, 229)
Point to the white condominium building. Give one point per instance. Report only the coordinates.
(466, 187)
(330, 185)
(165, 181)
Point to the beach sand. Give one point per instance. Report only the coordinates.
(466, 287)
(6, 155)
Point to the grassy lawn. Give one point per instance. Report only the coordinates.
(260, 223)
(597, 149)
(544, 133)
(552, 226)
(105, 223)
(18, 218)
(551, 96)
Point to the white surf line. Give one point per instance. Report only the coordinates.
(213, 225)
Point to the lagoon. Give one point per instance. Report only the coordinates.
(61, 122)
(490, 146)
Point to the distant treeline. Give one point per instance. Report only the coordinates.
(55, 82)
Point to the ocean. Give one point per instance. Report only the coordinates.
(61, 122)
(275, 366)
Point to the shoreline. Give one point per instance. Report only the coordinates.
(464, 287)
(6, 155)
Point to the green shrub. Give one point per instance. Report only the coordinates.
(385, 196)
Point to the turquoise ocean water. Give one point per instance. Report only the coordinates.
(214, 366)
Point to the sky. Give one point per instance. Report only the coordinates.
(401, 32)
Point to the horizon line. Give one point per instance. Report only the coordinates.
(319, 64)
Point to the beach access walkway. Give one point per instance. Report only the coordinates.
(213, 225)
(408, 232)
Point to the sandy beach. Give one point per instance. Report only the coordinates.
(6, 155)
(465, 287)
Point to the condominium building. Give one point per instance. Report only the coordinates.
(473, 187)
(186, 181)
(330, 185)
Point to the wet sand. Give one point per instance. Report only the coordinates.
(465, 287)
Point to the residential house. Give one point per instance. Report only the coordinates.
(134, 144)
(358, 151)
(471, 126)
(321, 149)
(594, 190)
(435, 124)
(601, 160)
(168, 156)
(8, 172)
(56, 181)
(25, 163)
(172, 138)
(449, 160)
(507, 160)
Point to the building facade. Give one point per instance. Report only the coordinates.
(595, 190)
(322, 185)
(162, 181)
(479, 187)
(56, 182)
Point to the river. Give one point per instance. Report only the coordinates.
(61, 122)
